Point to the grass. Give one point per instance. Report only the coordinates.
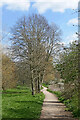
(45, 85)
(71, 104)
(19, 103)
(58, 93)
(41, 87)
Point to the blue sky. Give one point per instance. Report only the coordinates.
(57, 11)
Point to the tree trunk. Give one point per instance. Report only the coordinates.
(36, 86)
(32, 84)
(43, 76)
(39, 83)
(32, 87)
(23, 82)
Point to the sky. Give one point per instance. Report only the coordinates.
(61, 12)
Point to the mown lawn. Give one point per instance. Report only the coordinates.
(19, 103)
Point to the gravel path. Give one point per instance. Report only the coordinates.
(52, 109)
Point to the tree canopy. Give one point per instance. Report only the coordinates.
(33, 41)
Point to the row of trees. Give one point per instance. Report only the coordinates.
(9, 79)
(34, 42)
(69, 70)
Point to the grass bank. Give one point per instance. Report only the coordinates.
(71, 104)
(19, 103)
(45, 85)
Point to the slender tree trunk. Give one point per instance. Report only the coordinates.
(23, 82)
(31, 77)
(43, 76)
(39, 83)
(40, 78)
(32, 85)
(36, 86)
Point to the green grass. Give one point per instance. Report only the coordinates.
(58, 93)
(71, 104)
(45, 85)
(19, 103)
(41, 87)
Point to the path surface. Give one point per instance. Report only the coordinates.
(52, 109)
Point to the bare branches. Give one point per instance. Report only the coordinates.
(33, 41)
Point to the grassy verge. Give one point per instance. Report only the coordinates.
(71, 104)
(41, 87)
(19, 103)
(45, 85)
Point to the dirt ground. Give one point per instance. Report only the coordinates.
(54, 110)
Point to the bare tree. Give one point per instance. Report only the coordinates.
(33, 41)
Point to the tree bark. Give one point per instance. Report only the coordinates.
(32, 83)
(36, 86)
(39, 83)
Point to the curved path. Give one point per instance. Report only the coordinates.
(52, 109)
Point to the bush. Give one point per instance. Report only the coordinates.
(8, 72)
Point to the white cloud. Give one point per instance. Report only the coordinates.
(72, 38)
(55, 5)
(73, 21)
(16, 4)
(0, 4)
(62, 43)
(41, 5)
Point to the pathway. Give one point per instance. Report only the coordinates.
(52, 109)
